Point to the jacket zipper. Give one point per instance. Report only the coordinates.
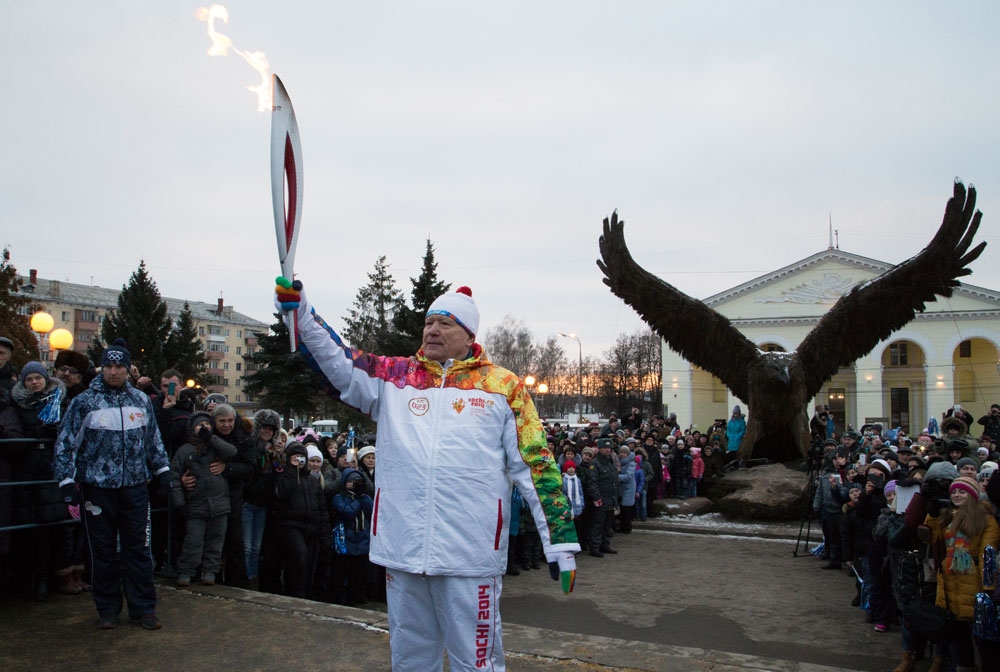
(121, 413)
(433, 462)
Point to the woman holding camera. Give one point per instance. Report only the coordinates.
(961, 527)
(302, 519)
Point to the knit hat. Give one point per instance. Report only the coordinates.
(965, 462)
(367, 450)
(967, 484)
(72, 359)
(695, 450)
(33, 367)
(459, 306)
(117, 354)
(889, 487)
(216, 398)
(944, 471)
(312, 451)
(983, 452)
(882, 466)
(195, 418)
(568, 464)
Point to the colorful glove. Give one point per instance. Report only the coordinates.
(287, 294)
(562, 566)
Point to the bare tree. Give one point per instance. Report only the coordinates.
(509, 345)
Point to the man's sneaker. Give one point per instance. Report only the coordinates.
(149, 622)
(207, 579)
(183, 580)
(107, 622)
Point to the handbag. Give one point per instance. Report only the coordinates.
(926, 620)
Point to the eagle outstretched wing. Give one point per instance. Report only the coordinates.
(701, 335)
(873, 310)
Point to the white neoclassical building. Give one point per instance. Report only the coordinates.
(949, 354)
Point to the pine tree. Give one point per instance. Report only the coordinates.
(370, 323)
(184, 350)
(281, 379)
(15, 312)
(141, 319)
(409, 322)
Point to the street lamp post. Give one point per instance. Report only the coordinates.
(579, 399)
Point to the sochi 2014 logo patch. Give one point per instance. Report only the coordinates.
(458, 405)
(419, 406)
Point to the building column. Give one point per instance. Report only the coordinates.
(868, 382)
(940, 390)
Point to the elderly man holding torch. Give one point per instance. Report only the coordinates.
(454, 433)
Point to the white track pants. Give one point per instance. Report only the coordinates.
(430, 613)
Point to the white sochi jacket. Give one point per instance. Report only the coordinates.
(451, 440)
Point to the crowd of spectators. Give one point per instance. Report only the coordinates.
(257, 507)
(911, 522)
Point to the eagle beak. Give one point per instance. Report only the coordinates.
(785, 376)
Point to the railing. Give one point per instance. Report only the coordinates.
(69, 521)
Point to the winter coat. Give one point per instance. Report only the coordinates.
(210, 496)
(354, 511)
(39, 415)
(991, 427)
(452, 439)
(828, 500)
(906, 563)
(10, 428)
(573, 490)
(697, 467)
(298, 501)
(735, 429)
(626, 481)
(854, 533)
(8, 376)
(602, 482)
(109, 439)
(640, 479)
(956, 590)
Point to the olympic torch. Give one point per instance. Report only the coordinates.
(286, 183)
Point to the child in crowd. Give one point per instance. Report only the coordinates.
(573, 490)
(206, 506)
(697, 472)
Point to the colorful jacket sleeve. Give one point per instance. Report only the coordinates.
(535, 471)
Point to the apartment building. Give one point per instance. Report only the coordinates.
(226, 335)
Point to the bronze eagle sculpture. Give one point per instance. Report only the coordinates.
(777, 386)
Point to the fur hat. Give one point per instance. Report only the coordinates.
(117, 353)
(954, 423)
(72, 359)
(33, 367)
(459, 306)
(967, 484)
(941, 470)
(367, 450)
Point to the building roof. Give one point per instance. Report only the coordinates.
(873, 266)
(101, 297)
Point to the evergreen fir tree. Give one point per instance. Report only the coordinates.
(141, 319)
(369, 326)
(280, 379)
(409, 322)
(184, 350)
(15, 314)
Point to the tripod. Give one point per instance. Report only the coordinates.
(805, 519)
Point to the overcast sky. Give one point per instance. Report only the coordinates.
(726, 133)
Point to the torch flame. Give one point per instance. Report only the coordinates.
(221, 44)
